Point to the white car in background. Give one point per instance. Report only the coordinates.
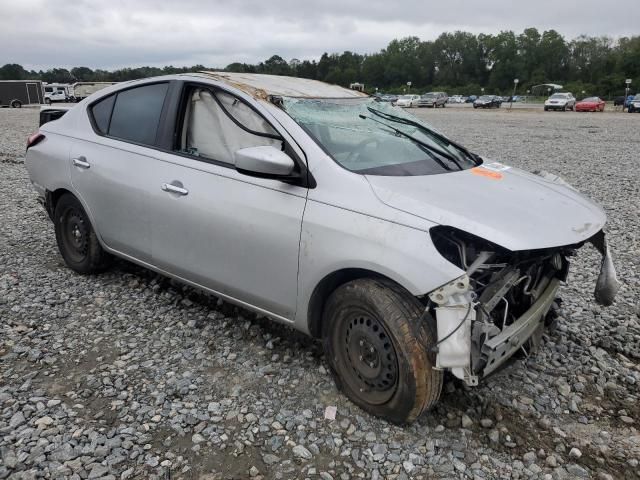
(560, 101)
(456, 99)
(408, 101)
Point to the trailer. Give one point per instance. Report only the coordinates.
(82, 90)
(16, 93)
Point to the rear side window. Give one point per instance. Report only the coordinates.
(132, 115)
(136, 113)
(102, 113)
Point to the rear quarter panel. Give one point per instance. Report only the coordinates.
(48, 163)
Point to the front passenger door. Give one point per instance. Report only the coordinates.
(232, 233)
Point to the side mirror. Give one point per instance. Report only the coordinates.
(264, 161)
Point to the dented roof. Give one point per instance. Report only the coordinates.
(261, 86)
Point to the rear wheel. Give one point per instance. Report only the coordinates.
(379, 349)
(76, 238)
(16, 104)
(47, 101)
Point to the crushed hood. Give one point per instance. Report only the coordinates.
(507, 206)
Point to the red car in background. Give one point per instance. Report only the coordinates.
(591, 104)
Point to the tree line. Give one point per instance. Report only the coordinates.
(458, 62)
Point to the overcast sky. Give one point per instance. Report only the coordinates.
(41, 34)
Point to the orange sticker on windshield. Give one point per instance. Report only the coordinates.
(483, 172)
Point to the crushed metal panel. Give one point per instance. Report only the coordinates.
(261, 86)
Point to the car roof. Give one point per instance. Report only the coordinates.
(261, 85)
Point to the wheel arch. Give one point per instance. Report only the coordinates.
(329, 284)
(52, 197)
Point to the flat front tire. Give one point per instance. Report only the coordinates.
(379, 349)
(76, 238)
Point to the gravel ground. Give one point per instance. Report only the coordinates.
(131, 375)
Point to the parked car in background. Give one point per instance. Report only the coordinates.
(388, 97)
(408, 101)
(433, 99)
(590, 104)
(619, 101)
(560, 101)
(471, 98)
(488, 101)
(628, 101)
(321, 208)
(634, 104)
(456, 99)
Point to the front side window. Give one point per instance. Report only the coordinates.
(371, 137)
(217, 124)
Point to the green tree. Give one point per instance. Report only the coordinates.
(13, 71)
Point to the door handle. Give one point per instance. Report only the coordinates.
(81, 162)
(169, 187)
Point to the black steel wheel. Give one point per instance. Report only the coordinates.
(370, 356)
(76, 238)
(379, 349)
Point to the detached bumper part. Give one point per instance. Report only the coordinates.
(607, 284)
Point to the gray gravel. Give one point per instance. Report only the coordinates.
(130, 375)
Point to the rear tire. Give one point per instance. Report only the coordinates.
(16, 104)
(47, 101)
(76, 238)
(379, 349)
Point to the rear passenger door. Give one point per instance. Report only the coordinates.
(236, 234)
(110, 168)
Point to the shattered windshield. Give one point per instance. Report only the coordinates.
(375, 138)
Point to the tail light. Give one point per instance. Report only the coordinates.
(34, 139)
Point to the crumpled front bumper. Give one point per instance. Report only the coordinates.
(456, 322)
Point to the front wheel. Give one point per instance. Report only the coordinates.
(47, 101)
(379, 349)
(76, 238)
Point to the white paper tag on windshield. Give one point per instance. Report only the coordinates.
(496, 166)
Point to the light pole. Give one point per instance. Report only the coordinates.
(409, 85)
(627, 82)
(515, 85)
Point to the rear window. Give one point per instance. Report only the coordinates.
(132, 114)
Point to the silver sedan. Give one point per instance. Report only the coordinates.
(322, 208)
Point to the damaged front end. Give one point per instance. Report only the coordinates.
(500, 304)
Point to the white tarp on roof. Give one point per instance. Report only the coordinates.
(261, 85)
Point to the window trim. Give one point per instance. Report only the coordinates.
(172, 119)
(161, 118)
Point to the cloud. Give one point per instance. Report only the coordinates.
(40, 34)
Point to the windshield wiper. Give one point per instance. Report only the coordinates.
(424, 146)
(388, 116)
